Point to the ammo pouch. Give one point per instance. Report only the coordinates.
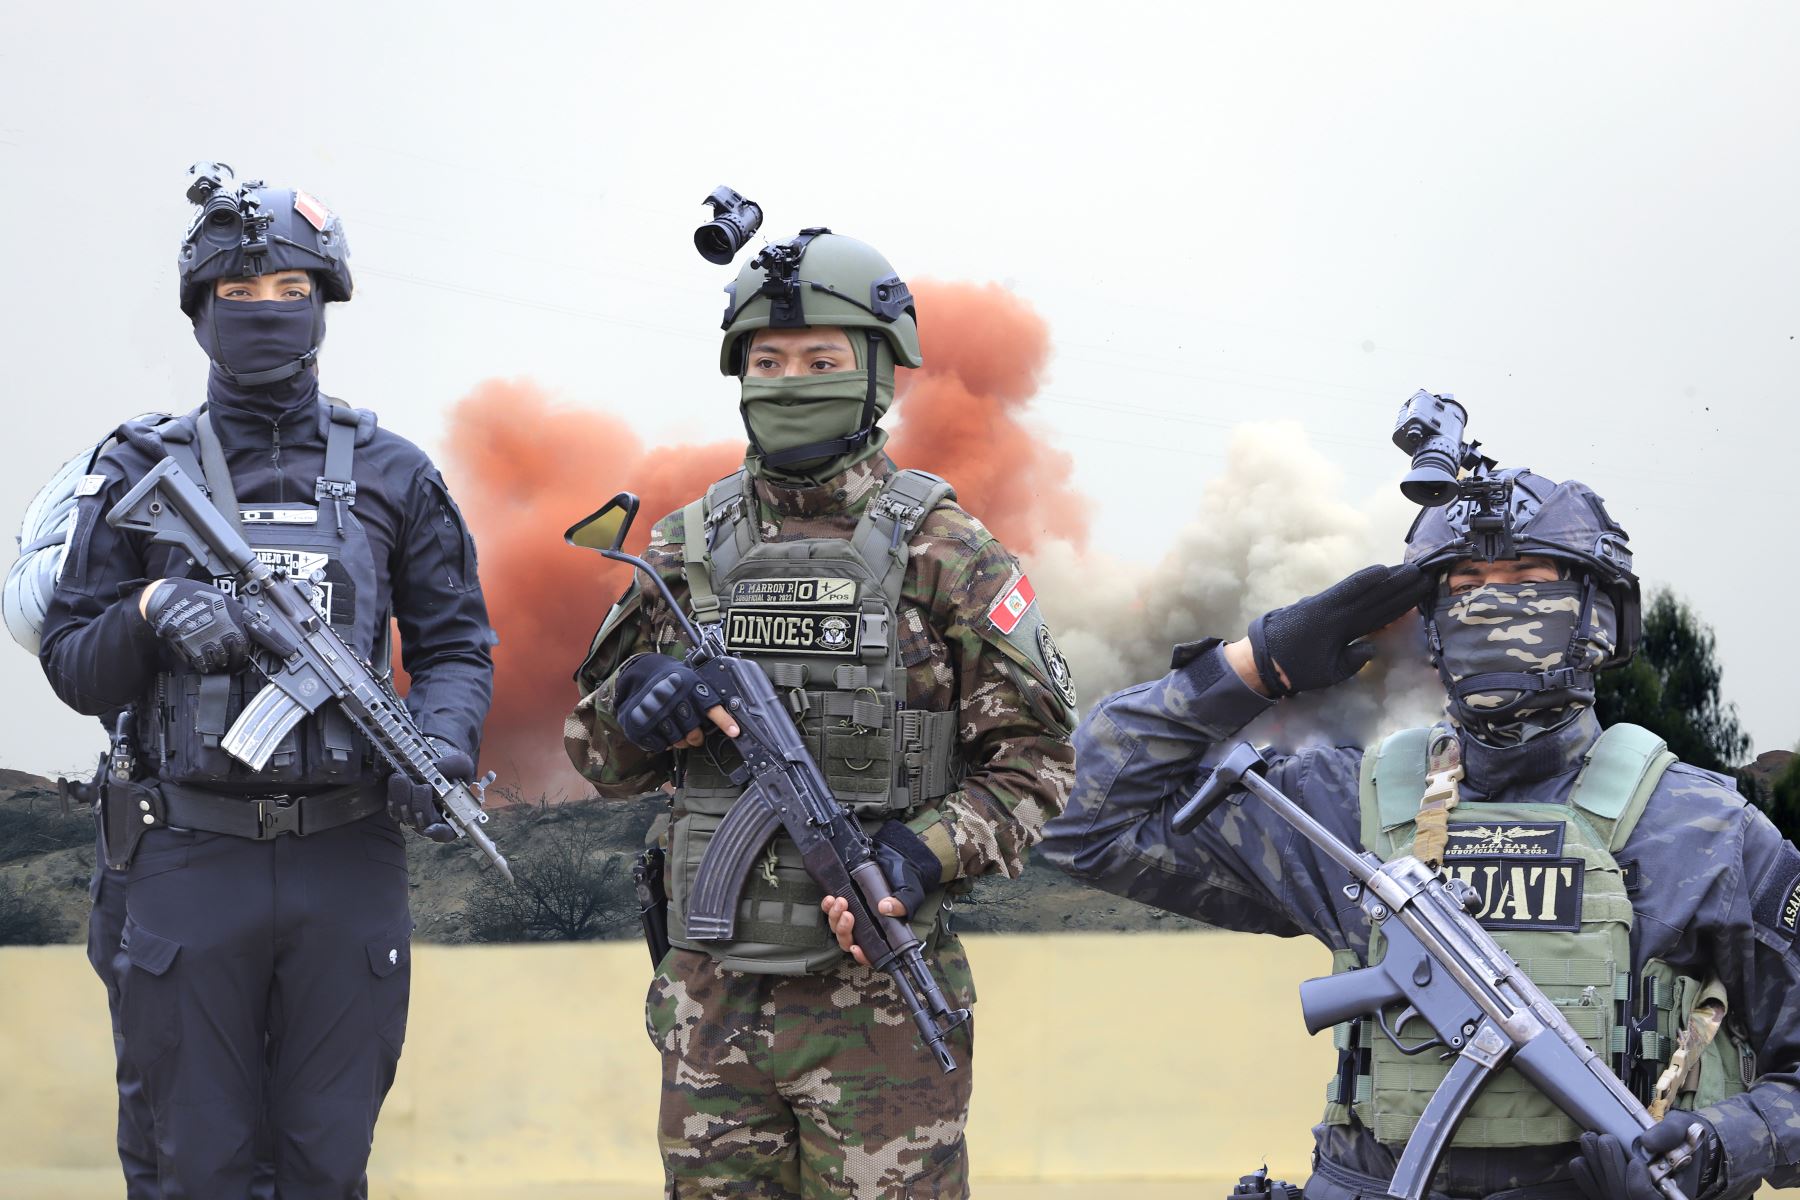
(127, 811)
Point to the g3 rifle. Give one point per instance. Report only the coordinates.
(312, 666)
(784, 790)
(1443, 967)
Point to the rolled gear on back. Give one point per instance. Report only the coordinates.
(43, 540)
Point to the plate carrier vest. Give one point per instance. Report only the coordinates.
(821, 617)
(1584, 967)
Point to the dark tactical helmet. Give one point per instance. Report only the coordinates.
(820, 278)
(1516, 513)
(249, 228)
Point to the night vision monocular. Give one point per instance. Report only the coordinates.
(230, 215)
(735, 221)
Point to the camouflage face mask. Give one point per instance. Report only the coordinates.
(1511, 660)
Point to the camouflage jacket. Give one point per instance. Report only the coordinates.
(1716, 880)
(1013, 735)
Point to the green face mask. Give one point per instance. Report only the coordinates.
(804, 410)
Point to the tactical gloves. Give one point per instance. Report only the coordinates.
(206, 627)
(908, 864)
(660, 700)
(414, 804)
(1607, 1170)
(1315, 640)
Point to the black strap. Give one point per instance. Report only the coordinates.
(263, 818)
(337, 485)
(218, 476)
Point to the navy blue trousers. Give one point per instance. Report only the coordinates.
(264, 977)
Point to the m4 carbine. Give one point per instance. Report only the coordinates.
(311, 664)
(784, 790)
(1446, 969)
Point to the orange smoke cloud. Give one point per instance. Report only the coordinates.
(962, 414)
(524, 468)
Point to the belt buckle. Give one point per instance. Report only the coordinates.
(276, 815)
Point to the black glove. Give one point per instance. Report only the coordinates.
(1315, 640)
(659, 700)
(908, 864)
(206, 627)
(1607, 1170)
(415, 804)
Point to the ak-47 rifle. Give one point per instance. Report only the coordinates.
(784, 790)
(311, 665)
(1446, 969)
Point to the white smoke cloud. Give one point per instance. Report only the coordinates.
(1274, 527)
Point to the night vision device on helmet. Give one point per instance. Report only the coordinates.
(1473, 509)
(244, 229)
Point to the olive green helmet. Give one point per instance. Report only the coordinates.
(819, 278)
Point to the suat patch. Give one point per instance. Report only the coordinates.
(1521, 894)
(1506, 839)
(1060, 675)
(791, 631)
(789, 593)
(1014, 601)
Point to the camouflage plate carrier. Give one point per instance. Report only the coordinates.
(1555, 897)
(820, 615)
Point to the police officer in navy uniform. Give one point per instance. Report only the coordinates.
(264, 959)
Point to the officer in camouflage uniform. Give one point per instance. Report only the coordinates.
(1643, 895)
(910, 650)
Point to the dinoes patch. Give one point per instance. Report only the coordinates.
(792, 631)
(833, 593)
(1518, 894)
(1057, 665)
(1506, 838)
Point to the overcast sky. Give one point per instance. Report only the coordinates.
(1580, 219)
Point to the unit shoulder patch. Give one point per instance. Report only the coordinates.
(1776, 901)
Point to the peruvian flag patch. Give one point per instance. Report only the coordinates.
(1015, 600)
(308, 206)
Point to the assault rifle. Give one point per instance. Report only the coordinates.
(312, 665)
(1446, 969)
(784, 791)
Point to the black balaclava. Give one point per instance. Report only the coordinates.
(262, 351)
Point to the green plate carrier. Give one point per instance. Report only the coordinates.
(821, 616)
(1585, 970)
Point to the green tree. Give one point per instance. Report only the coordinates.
(1672, 689)
(1783, 805)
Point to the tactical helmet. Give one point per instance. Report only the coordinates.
(819, 278)
(250, 229)
(1529, 514)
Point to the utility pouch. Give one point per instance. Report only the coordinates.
(653, 902)
(127, 810)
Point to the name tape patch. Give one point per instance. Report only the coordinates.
(792, 631)
(279, 516)
(1015, 600)
(1524, 895)
(831, 593)
(1505, 839)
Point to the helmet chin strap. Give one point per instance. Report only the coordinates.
(833, 447)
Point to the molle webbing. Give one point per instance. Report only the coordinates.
(336, 485)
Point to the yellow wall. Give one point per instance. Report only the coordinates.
(1177, 1058)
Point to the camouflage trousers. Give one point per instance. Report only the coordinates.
(804, 1087)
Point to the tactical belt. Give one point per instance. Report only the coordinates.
(264, 818)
